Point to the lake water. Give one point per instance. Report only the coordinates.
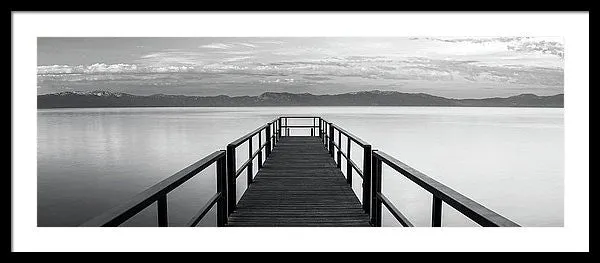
(511, 160)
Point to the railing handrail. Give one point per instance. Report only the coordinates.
(122, 213)
(247, 136)
(298, 116)
(244, 138)
(350, 135)
(300, 126)
(349, 160)
(283, 128)
(468, 207)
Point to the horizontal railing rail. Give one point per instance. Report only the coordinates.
(285, 127)
(249, 135)
(441, 193)
(158, 193)
(352, 137)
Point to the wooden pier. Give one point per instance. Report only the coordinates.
(300, 183)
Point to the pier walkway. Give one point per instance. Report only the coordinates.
(299, 182)
(299, 185)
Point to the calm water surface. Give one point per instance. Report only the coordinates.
(508, 159)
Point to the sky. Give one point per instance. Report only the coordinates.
(454, 67)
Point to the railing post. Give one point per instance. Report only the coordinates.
(250, 164)
(163, 217)
(339, 150)
(325, 133)
(231, 186)
(436, 212)
(348, 165)
(366, 185)
(320, 128)
(376, 189)
(287, 129)
(274, 125)
(268, 140)
(222, 188)
(278, 128)
(312, 129)
(260, 150)
(331, 139)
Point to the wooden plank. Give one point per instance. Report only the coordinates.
(299, 185)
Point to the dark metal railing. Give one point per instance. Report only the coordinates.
(370, 172)
(441, 193)
(158, 193)
(327, 133)
(283, 125)
(233, 173)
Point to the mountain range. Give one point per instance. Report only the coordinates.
(104, 99)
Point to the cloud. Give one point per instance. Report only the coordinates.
(109, 68)
(236, 59)
(248, 52)
(274, 42)
(472, 71)
(282, 81)
(173, 57)
(153, 55)
(472, 40)
(229, 45)
(545, 47)
(434, 63)
(518, 44)
(165, 70)
(89, 69)
(317, 78)
(217, 46)
(54, 69)
(102, 68)
(247, 45)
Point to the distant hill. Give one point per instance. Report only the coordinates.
(104, 99)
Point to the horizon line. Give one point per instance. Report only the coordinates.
(303, 93)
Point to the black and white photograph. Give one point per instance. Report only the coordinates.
(273, 133)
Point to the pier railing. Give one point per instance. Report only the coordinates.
(441, 193)
(284, 127)
(370, 172)
(271, 133)
(327, 133)
(158, 193)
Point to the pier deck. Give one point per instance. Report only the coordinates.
(299, 185)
